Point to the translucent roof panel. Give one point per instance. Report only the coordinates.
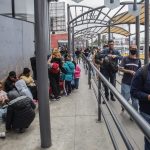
(117, 30)
(126, 18)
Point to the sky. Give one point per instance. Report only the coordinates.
(97, 3)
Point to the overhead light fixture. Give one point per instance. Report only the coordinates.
(112, 4)
(77, 1)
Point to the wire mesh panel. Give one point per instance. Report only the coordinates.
(57, 16)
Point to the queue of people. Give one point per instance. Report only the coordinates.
(18, 94)
(62, 74)
(135, 80)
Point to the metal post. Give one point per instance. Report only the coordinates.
(111, 1)
(146, 60)
(49, 34)
(41, 44)
(87, 43)
(91, 42)
(69, 29)
(99, 40)
(138, 34)
(109, 36)
(73, 53)
(13, 8)
(89, 75)
(135, 5)
(99, 99)
(129, 35)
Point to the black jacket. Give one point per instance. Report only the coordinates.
(33, 65)
(9, 85)
(20, 113)
(140, 90)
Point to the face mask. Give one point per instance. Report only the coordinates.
(133, 52)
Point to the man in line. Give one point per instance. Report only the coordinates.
(129, 65)
(109, 66)
(140, 89)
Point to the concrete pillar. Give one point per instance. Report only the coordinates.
(42, 45)
(73, 53)
(69, 29)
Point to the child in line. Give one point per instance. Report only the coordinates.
(76, 75)
(68, 76)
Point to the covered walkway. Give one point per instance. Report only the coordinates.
(75, 127)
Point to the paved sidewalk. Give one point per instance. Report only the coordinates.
(73, 122)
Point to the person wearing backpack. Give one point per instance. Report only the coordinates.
(55, 63)
(129, 65)
(109, 66)
(140, 89)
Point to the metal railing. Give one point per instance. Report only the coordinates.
(99, 92)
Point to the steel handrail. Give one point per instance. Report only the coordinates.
(143, 125)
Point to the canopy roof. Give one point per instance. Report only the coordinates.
(126, 18)
(96, 20)
(117, 30)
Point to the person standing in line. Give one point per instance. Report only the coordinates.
(76, 75)
(140, 89)
(33, 65)
(55, 63)
(78, 55)
(68, 77)
(129, 65)
(109, 66)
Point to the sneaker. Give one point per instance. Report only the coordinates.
(122, 109)
(107, 98)
(52, 98)
(58, 98)
(2, 134)
(103, 102)
(113, 99)
(131, 119)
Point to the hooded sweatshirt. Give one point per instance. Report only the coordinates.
(23, 89)
(69, 67)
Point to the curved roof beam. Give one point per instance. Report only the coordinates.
(102, 22)
(87, 29)
(89, 23)
(81, 6)
(90, 11)
(125, 18)
(101, 7)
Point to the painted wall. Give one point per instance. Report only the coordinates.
(56, 37)
(16, 45)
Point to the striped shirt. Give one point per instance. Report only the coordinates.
(129, 64)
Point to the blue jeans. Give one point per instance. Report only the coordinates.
(2, 112)
(125, 91)
(76, 81)
(147, 118)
